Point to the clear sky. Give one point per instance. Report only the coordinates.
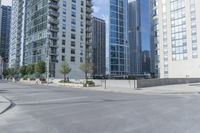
(6, 2)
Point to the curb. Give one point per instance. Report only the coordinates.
(5, 105)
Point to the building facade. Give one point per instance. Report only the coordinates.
(146, 62)
(176, 33)
(139, 33)
(17, 34)
(99, 46)
(135, 38)
(5, 33)
(1, 67)
(53, 31)
(119, 54)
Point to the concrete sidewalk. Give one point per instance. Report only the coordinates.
(170, 89)
(193, 88)
(5, 104)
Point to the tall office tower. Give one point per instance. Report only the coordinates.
(5, 33)
(176, 33)
(53, 31)
(139, 33)
(99, 46)
(119, 54)
(135, 38)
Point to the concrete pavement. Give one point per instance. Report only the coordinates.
(170, 89)
(5, 104)
(52, 109)
(167, 89)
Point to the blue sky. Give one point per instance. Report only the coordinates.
(6, 2)
(101, 8)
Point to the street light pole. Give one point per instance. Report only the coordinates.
(48, 50)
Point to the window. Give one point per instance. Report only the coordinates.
(64, 3)
(82, 3)
(73, 21)
(73, 7)
(63, 42)
(81, 59)
(73, 44)
(72, 51)
(73, 36)
(73, 14)
(64, 34)
(72, 59)
(73, 28)
(63, 58)
(63, 50)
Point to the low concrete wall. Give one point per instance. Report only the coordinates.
(129, 84)
(161, 82)
(133, 84)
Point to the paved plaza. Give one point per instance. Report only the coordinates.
(53, 109)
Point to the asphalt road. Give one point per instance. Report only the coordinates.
(45, 109)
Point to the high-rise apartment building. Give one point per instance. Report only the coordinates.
(5, 33)
(88, 32)
(176, 33)
(17, 35)
(99, 46)
(119, 53)
(54, 31)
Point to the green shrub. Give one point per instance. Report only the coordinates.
(25, 77)
(32, 79)
(43, 79)
(89, 83)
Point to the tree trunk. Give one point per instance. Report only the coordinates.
(64, 77)
(86, 79)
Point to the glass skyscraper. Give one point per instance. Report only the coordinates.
(5, 32)
(139, 33)
(119, 55)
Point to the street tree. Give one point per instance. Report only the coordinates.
(12, 72)
(65, 70)
(23, 70)
(30, 69)
(6, 73)
(87, 69)
(40, 67)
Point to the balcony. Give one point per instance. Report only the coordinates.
(53, 13)
(53, 37)
(53, 21)
(88, 23)
(88, 16)
(89, 3)
(89, 10)
(54, 29)
(54, 5)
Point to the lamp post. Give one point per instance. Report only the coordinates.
(47, 59)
